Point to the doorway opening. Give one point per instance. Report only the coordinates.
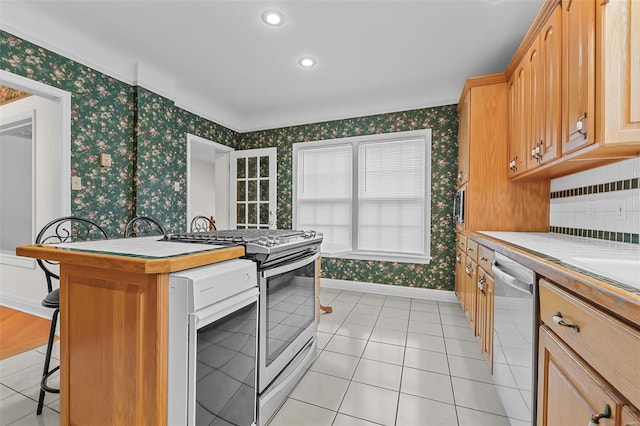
(207, 180)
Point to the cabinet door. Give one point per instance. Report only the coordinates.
(620, 92)
(630, 417)
(463, 142)
(513, 126)
(460, 276)
(551, 65)
(578, 34)
(518, 121)
(485, 315)
(534, 104)
(569, 392)
(470, 286)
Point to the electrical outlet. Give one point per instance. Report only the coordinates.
(622, 209)
(176, 186)
(76, 183)
(591, 209)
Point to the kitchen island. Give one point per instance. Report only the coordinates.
(114, 326)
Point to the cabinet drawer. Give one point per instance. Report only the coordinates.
(608, 345)
(461, 242)
(485, 259)
(472, 249)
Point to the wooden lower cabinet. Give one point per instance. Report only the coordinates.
(569, 392)
(459, 289)
(484, 325)
(470, 286)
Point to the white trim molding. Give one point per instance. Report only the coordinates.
(25, 305)
(390, 290)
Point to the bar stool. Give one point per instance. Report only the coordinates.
(142, 226)
(202, 224)
(62, 230)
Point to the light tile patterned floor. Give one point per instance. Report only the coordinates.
(386, 360)
(20, 388)
(382, 360)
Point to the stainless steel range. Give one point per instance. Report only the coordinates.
(287, 263)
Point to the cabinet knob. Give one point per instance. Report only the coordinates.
(483, 259)
(580, 127)
(481, 283)
(557, 318)
(595, 419)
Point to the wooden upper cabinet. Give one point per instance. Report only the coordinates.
(533, 105)
(551, 76)
(463, 142)
(578, 76)
(518, 129)
(618, 88)
(630, 416)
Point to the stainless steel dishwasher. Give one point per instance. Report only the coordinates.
(515, 337)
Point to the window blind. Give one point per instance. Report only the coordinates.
(324, 195)
(391, 196)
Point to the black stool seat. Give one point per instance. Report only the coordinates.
(52, 300)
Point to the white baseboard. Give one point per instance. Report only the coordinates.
(25, 305)
(391, 290)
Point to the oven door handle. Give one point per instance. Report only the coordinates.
(290, 266)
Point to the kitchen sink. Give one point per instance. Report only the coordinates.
(624, 270)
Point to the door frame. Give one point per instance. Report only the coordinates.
(63, 98)
(193, 140)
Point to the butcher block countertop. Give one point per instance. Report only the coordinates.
(602, 272)
(148, 255)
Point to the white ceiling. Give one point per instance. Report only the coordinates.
(217, 58)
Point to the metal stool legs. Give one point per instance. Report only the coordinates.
(46, 373)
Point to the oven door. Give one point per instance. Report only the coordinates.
(288, 314)
(223, 361)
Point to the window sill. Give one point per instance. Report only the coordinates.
(422, 260)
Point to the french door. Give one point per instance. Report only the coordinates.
(253, 189)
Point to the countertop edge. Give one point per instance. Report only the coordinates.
(617, 301)
(129, 263)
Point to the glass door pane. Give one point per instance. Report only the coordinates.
(253, 190)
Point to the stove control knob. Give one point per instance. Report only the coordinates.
(276, 241)
(263, 241)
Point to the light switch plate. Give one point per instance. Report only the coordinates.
(176, 186)
(76, 183)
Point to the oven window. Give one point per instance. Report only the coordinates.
(290, 308)
(225, 369)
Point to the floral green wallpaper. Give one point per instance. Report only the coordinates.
(102, 119)
(444, 123)
(146, 135)
(161, 147)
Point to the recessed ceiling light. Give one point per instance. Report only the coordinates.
(272, 18)
(307, 62)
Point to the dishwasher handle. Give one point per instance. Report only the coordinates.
(504, 277)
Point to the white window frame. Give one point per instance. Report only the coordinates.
(355, 141)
